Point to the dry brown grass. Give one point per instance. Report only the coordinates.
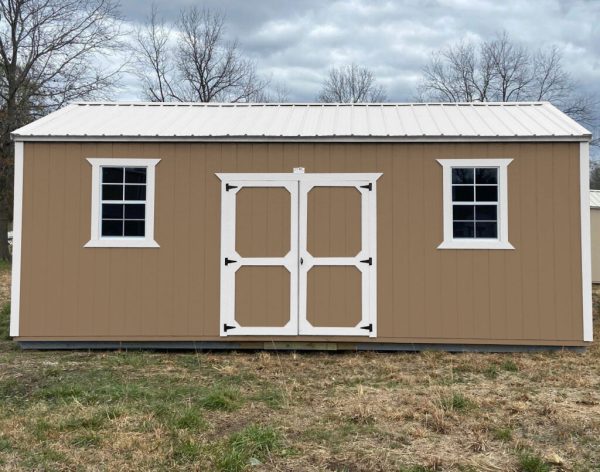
(299, 411)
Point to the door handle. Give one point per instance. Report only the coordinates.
(301, 261)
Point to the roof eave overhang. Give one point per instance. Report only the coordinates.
(320, 139)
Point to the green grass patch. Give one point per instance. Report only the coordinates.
(75, 423)
(456, 402)
(491, 372)
(272, 397)
(186, 451)
(502, 434)
(46, 458)
(87, 440)
(251, 446)
(4, 321)
(221, 398)
(5, 445)
(510, 366)
(190, 419)
(529, 462)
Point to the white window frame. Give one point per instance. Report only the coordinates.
(501, 242)
(96, 239)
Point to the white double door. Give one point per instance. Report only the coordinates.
(298, 254)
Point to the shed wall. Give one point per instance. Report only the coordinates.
(530, 295)
(595, 229)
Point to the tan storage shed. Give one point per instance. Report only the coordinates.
(595, 229)
(330, 226)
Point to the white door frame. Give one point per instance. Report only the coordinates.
(364, 261)
(231, 260)
(231, 183)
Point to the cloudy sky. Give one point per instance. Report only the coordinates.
(295, 42)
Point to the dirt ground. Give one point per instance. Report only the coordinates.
(298, 411)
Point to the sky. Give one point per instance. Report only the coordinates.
(295, 43)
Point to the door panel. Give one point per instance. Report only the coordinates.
(334, 296)
(263, 222)
(259, 257)
(262, 296)
(334, 221)
(337, 267)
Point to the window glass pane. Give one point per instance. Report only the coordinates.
(112, 228)
(463, 230)
(486, 230)
(487, 194)
(463, 212)
(135, 228)
(135, 212)
(112, 174)
(462, 176)
(112, 210)
(135, 175)
(112, 192)
(462, 194)
(486, 176)
(486, 212)
(135, 192)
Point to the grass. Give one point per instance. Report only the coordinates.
(456, 402)
(244, 411)
(251, 446)
(4, 321)
(532, 463)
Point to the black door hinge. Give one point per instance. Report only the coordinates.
(226, 327)
(369, 327)
(368, 261)
(229, 187)
(229, 261)
(369, 186)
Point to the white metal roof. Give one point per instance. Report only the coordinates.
(595, 198)
(310, 122)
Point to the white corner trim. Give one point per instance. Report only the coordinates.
(586, 244)
(502, 242)
(96, 240)
(15, 302)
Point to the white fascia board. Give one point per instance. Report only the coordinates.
(307, 139)
(586, 244)
(15, 302)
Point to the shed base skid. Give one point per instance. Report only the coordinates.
(284, 346)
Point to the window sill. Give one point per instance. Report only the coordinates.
(475, 245)
(121, 242)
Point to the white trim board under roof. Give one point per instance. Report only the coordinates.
(405, 122)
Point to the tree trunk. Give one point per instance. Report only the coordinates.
(5, 254)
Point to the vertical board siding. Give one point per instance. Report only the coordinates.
(526, 295)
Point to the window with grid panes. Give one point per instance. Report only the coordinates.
(123, 201)
(475, 202)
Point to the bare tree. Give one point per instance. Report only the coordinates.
(277, 93)
(351, 84)
(49, 55)
(192, 61)
(502, 70)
